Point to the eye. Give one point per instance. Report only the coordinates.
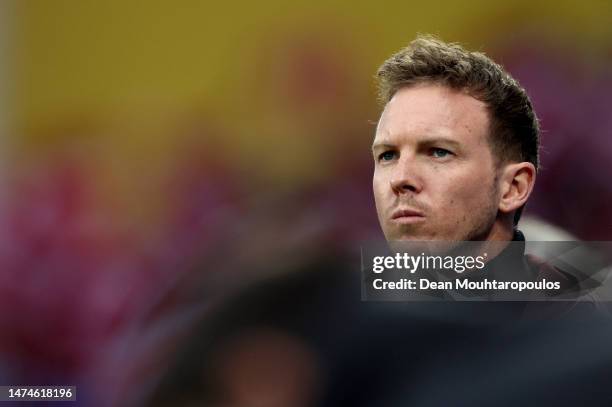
(440, 152)
(387, 155)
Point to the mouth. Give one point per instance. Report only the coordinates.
(407, 216)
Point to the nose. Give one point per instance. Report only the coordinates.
(405, 179)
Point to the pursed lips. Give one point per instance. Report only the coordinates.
(407, 215)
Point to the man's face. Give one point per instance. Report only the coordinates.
(434, 174)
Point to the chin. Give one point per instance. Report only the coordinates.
(409, 237)
(412, 233)
(424, 237)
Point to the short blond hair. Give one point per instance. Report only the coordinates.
(515, 132)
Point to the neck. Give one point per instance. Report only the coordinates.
(500, 232)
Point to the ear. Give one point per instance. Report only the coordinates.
(517, 181)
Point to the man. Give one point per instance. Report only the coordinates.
(456, 156)
(456, 147)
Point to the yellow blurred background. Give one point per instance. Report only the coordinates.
(266, 86)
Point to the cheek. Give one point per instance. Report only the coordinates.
(465, 194)
(378, 186)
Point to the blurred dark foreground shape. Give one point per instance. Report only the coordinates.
(305, 338)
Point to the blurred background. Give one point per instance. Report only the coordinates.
(152, 152)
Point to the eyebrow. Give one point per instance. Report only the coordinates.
(377, 146)
(425, 142)
(440, 140)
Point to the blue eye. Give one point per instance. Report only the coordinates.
(386, 156)
(440, 152)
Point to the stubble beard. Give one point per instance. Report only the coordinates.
(482, 227)
(479, 229)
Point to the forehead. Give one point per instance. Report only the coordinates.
(433, 110)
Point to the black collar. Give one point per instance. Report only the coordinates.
(510, 263)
